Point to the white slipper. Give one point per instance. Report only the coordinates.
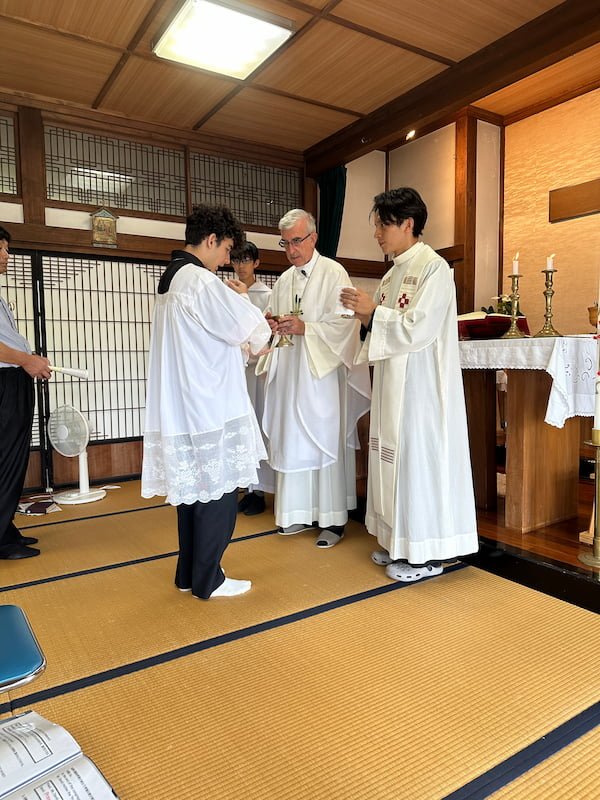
(292, 529)
(381, 558)
(406, 573)
(328, 538)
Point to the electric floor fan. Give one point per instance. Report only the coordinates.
(69, 433)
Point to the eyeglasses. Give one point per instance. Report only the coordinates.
(293, 242)
(246, 260)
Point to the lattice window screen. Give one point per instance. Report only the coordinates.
(257, 194)
(15, 286)
(8, 156)
(97, 170)
(98, 316)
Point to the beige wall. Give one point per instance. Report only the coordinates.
(487, 217)
(428, 165)
(558, 147)
(365, 177)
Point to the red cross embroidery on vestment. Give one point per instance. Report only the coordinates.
(403, 300)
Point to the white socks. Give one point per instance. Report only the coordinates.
(230, 588)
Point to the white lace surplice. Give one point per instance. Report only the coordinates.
(201, 437)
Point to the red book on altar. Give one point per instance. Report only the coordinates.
(480, 325)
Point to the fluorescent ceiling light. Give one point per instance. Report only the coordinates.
(221, 38)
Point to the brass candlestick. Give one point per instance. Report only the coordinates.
(513, 332)
(548, 329)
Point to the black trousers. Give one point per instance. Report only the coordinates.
(16, 417)
(205, 530)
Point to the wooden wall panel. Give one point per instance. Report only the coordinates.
(105, 462)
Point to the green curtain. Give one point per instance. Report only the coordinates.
(332, 187)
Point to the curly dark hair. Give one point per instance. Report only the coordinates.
(395, 206)
(4, 234)
(219, 220)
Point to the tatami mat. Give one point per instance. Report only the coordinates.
(407, 695)
(571, 774)
(126, 498)
(98, 542)
(98, 621)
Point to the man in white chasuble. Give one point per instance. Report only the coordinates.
(201, 438)
(420, 501)
(314, 395)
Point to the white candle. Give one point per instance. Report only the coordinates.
(515, 270)
(550, 262)
(597, 404)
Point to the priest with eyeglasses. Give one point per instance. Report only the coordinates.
(314, 395)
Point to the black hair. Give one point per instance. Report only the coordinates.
(219, 220)
(4, 234)
(248, 249)
(396, 205)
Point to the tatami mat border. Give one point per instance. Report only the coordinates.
(95, 516)
(527, 758)
(119, 565)
(205, 644)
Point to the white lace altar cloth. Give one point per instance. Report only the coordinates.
(570, 361)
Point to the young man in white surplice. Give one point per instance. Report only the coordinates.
(420, 502)
(245, 262)
(201, 438)
(314, 394)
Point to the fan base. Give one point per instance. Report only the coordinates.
(74, 497)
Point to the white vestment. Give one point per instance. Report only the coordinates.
(259, 295)
(420, 502)
(314, 399)
(201, 438)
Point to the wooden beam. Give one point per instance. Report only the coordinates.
(575, 201)
(32, 166)
(465, 209)
(551, 37)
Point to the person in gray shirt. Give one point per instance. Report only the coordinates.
(18, 369)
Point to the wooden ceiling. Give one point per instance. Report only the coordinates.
(354, 74)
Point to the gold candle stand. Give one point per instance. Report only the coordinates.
(548, 329)
(593, 559)
(513, 332)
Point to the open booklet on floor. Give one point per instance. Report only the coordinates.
(39, 759)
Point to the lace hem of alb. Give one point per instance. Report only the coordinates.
(187, 468)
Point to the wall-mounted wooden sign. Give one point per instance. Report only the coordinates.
(575, 201)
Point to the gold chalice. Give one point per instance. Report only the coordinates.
(593, 315)
(284, 339)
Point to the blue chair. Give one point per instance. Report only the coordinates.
(21, 657)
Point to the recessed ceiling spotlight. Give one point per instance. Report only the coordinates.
(224, 37)
(410, 135)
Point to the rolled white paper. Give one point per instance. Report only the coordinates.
(72, 371)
